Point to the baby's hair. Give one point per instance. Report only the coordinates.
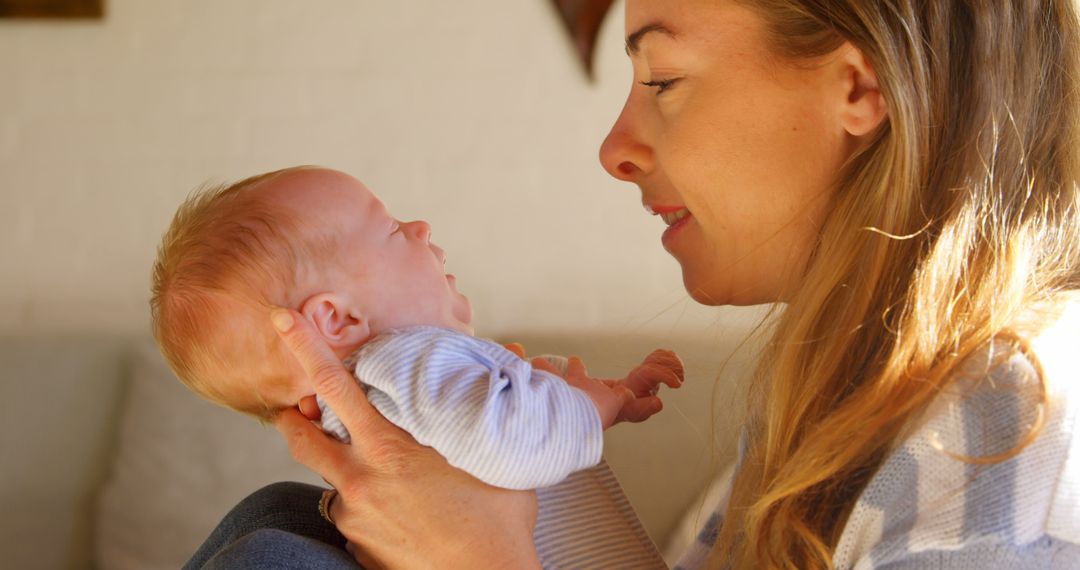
(226, 259)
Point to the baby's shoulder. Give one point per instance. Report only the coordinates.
(435, 345)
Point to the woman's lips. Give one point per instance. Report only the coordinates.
(676, 217)
(658, 209)
(674, 230)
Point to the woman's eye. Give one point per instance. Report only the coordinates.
(661, 84)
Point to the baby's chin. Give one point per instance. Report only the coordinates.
(465, 313)
(462, 326)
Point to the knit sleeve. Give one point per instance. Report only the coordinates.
(483, 408)
(1045, 553)
(942, 499)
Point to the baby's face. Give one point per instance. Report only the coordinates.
(389, 269)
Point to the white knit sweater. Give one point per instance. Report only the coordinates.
(928, 508)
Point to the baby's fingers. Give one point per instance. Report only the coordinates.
(665, 357)
(644, 379)
(667, 360)
(640, 409)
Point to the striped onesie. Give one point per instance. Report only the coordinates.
(486, 410)
(491, 414)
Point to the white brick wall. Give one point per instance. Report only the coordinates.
(471, 114)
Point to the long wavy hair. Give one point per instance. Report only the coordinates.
(961, 212)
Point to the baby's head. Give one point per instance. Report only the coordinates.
(310, 239)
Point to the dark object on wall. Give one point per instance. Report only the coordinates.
(583, 19)
(51, 8)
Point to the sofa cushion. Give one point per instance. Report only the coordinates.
(58, 401)
(181, 464)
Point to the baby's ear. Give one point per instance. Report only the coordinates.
(338, 322)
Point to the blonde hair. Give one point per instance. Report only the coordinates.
(962, 212)
(226, 259)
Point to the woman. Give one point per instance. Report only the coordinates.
(901, 174)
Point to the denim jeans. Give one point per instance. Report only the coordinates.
(276, 527)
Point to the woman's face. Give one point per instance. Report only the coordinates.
(743, 145)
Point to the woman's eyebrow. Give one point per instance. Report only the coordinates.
(633, 41)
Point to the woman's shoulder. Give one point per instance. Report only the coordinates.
(993, 462)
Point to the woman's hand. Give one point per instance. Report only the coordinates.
(400, 504)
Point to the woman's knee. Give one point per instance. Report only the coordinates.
(288, 506)
(284, 496)
(273, 549)
(292, 508)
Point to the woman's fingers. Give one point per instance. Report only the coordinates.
(310, 446)
(361, 556)
(517, 348)
(322, 366)
(575, 367)
(309, 407)
(541, 363)
(328, 376)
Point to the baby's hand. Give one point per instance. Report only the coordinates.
(633, 398)
(608, 396)
(661, 366)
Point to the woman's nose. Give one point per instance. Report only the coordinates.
(624, 153)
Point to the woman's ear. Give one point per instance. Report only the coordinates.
(338, 322)
(864, 107)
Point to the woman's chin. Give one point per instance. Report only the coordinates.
(704, 293)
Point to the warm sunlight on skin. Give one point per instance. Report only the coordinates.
(734, 148)
(382, 274)
(384, 271)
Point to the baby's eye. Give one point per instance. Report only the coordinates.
(661, 84)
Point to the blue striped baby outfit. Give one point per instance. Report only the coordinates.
(529, 428)
(489, 412)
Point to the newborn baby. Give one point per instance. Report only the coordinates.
(320, 242)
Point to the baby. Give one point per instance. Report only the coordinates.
(320, 242)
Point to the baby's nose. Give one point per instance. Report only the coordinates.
(422, 229)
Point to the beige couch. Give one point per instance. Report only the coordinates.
(110, 463)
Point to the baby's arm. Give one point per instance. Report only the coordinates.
(631, 399)
(486, 410)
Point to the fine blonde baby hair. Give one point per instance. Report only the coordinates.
(226, 259)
